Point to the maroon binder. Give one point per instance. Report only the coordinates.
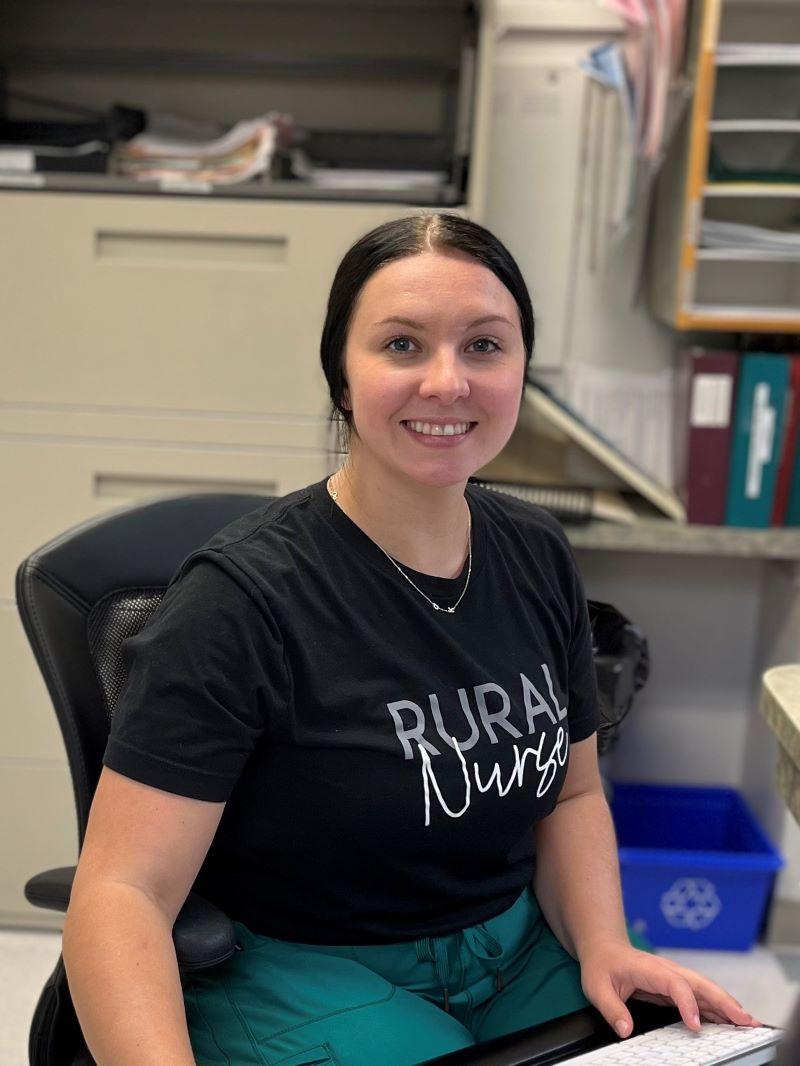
(790, 454)
(707, 389)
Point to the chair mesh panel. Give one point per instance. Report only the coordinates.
(112, 620)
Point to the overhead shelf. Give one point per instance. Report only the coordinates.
(752, 188)
(742, 54)
(133, 60)
(754, 125)
(306, 5)
(385, 102)
(95, 184)
(753, 255)
(740, 319)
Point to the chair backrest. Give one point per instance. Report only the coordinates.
(80, 595)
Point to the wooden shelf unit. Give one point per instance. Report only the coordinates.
(682, 272)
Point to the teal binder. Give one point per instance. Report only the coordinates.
(757, 436)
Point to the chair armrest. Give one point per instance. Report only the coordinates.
(51, 889)
(203, 935)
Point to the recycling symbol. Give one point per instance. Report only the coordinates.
(691, 903)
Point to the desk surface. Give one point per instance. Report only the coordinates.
(780, 705)
(664, 537)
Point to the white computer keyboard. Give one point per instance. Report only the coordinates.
(677, 1045)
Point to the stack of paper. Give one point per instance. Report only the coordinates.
(755, 238)
(362, 178)
(552, 445)
(571, 504)
(244, 152)
(631, 408)
(740, 54)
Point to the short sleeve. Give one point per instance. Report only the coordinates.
(206, 676)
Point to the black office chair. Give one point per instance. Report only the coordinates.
(79, 597)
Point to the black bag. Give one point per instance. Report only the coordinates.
(622, 662)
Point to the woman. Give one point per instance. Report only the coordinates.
(368, 709)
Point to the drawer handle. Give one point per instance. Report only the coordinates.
(132, 487)
(190, 248)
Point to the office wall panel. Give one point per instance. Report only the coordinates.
(40, 797)
(690, 723)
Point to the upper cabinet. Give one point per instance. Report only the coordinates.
(373, 85)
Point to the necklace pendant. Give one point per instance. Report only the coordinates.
(450, 610)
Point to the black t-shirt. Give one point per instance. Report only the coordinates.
(383, 762)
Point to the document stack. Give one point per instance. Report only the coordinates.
(245, 151)
(557, 459)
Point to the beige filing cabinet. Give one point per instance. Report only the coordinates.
(152, 347)
(157, 344)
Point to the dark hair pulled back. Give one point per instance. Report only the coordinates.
(439, 232)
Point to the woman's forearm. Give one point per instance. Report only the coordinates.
(123, 978)
(577, 879)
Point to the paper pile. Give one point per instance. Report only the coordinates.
(739, 54)
(362, 178)
(737, 235)
(244, 152)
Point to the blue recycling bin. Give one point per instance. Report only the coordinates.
(697, 869)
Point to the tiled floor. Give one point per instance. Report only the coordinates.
(765, 982)
(26, 961)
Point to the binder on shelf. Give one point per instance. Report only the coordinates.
(553, 445)
(758, 430)
(786, 511)
(705, 392)
(793, 505)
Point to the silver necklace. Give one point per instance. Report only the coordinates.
(449, 610)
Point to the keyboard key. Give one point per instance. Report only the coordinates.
(677, 1045)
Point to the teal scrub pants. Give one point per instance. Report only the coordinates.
(276, 1003)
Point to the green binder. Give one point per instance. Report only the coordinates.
(757, 435)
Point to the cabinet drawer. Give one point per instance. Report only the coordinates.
(56, 485)
(170, 304)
